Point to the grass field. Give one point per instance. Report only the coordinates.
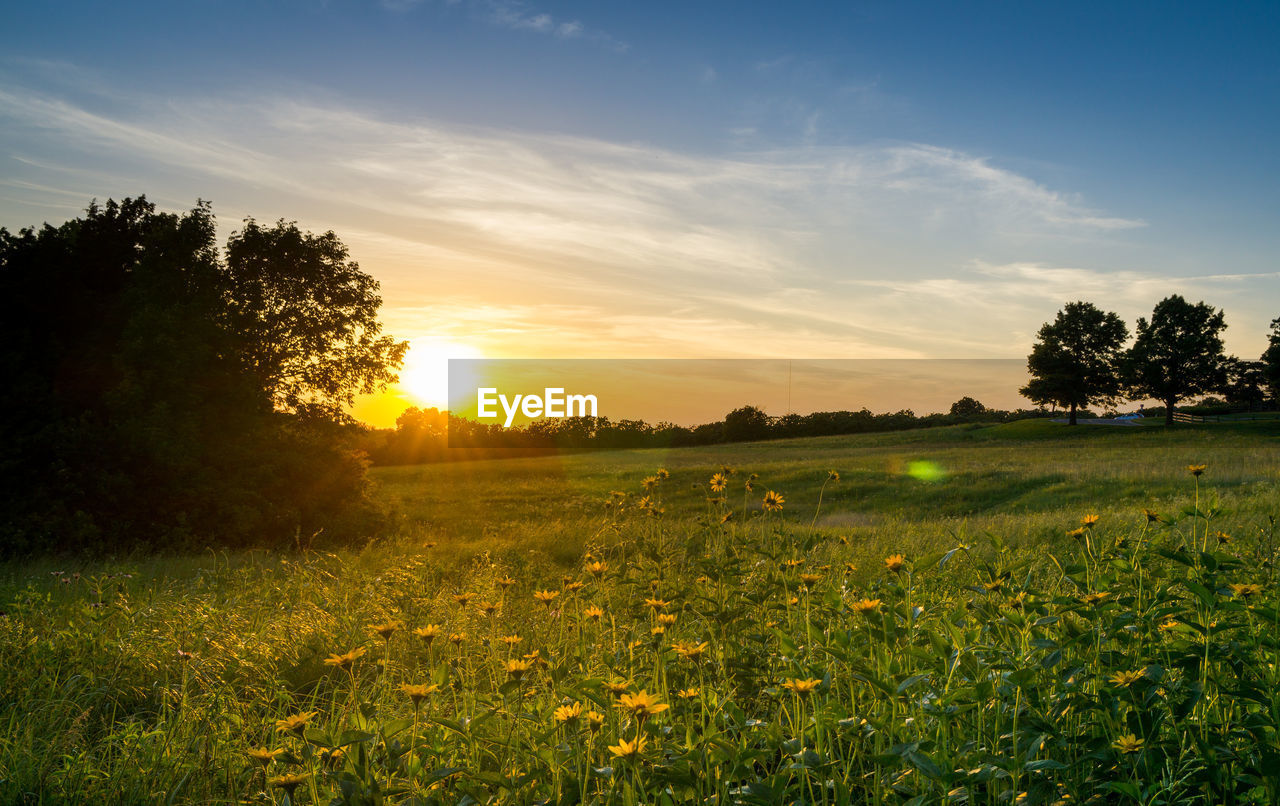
(951, 625)
(1019, 479)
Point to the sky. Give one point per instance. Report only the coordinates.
(889, 180)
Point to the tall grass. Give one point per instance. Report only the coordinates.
(697, 648)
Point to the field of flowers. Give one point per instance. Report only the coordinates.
(729, 655)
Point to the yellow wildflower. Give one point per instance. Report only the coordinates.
(773, 502)
(690, 651)
(288, 782)
(642, 704)
(569, 714)
(264, 756)
(296, 723)
(346, 660)
(801, 686)
(428, 633)
(1128, 743)
(866, 606)
(1127, 679)
(628, 750)
(385, 631)
(418, 693)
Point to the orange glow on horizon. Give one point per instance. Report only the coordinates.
(424, 382)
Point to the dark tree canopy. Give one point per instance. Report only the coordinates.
(746, 424)
(1271, 361)
(1177, 354)
(1246, 382)
(129, 417)
(306, 319)
(1076, 359)
(967, 406)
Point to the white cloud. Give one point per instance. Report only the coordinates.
(809, 251)
(519, 17)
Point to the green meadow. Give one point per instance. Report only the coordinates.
(1019, 479)
(1024, 613)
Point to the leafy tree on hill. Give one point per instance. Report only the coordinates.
(133, 414)
(1075, 361)
(1177, 354)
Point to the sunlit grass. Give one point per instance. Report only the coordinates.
(711, 644)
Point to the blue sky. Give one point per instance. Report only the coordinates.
(809, 180)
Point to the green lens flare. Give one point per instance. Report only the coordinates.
(924, 470)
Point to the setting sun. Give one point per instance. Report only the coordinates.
(425, 375)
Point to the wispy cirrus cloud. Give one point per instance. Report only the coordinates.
(626, 248)
(520, 16)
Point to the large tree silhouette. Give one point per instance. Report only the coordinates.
(306, 319)
(133, 415)
(1075, 360)
(1177, 354)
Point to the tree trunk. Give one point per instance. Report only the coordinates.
(1168, 411)
(1071, 420)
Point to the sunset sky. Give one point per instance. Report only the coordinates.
(696, 180)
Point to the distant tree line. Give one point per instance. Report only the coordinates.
(432, 435)
(161, 393)
(1081, 358)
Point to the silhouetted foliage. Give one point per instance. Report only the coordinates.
(1271, 361)
(431, 435)
(305, 319)
(158, 396)
(1177, 354)
(967, 407)
(746, 424)
(1075, 361)
(1246, 382)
